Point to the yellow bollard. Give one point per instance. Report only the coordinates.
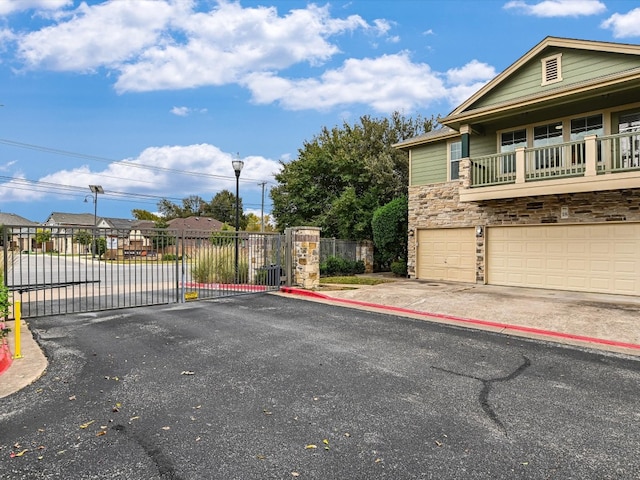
(16, 330)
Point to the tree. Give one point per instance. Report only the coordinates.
(42, 236)
(83, 237)
(161, 237)
(140, 214)
(389, 227)
(223, 208)
(343, 174)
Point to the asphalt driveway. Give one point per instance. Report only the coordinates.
(264, 386)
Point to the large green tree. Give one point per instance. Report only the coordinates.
(223, 207)
(344, 174)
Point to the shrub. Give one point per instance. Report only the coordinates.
(399, 268)
(333, 266)
(169, 257)
(4, 301)
(389, 225)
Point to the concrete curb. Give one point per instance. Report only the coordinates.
(504, 327)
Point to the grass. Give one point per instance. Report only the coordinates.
(353, 280)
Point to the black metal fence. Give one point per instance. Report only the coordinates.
(58, 270)
(333, 247)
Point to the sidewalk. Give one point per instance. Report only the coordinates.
(606, 322)
(24, 370)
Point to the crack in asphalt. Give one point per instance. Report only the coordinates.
(487, 384)
(159, 459)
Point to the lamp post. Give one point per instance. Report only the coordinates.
(95, 189)
(237, 168)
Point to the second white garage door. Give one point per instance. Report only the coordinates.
(447, 254)
(601, 258)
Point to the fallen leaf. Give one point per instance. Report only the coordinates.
(101, 432)
(197, 439)
(311, 446)
(260, 457)
(377, 460)
(325, 441)
(524, 463)
(188, 372)
(85, 425)
(133, 418)
(347, 434)
(19, 454)
(295, 474)
(266, 412)
(166, 428)
(72, 397)
(438, 443)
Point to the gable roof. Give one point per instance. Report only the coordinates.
(61, 218)
(195, 223)
(119, 223)
(438, 134)
(472, 108)
(13, 219)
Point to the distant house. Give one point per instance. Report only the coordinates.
(534, 181)
(21, 235)
(195, 231)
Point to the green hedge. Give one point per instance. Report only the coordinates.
(333, 266)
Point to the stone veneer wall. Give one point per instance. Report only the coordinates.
(306, 256)
(438, 206)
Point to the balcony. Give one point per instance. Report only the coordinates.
(592, 164)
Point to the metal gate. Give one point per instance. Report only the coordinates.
(58, 270)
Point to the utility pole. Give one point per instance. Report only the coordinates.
(262, 208)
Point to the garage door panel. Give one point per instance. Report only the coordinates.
(598, 257)
(447, 254)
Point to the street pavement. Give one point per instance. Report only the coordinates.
(275, 386)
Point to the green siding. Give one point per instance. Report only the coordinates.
(482, 144)
(429, 164)
(577, 66)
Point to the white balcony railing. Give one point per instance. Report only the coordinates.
(590, 156)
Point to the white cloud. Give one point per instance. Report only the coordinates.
(558, 8)
(11, 6)
(624, 25)
(84, 44)
(387, 83)
(211, 169)
(231, 41)
(180, 111)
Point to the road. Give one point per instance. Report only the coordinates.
(269, 387)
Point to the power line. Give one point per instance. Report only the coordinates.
(96, 158)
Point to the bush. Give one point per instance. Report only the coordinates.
(389, 227)
(4, 302)
(169, 256)
(333, 266)
(399, 268)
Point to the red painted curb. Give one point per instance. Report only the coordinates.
(469, 321)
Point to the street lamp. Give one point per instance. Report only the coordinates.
(237, 167)
(95, 189)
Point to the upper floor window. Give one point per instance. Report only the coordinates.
(509, 141)
(552, 69)
(455, 154)
(580, 128)
(546, 139)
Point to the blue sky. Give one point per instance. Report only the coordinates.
(154, 98)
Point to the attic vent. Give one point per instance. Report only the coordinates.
(552, 69)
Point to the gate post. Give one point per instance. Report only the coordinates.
(305, 256)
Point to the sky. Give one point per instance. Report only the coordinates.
(153, 99)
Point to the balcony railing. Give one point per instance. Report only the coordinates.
(590, 156)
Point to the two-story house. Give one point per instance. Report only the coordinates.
(534, 181)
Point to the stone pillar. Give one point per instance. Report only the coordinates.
(306, 257)
(365, 253)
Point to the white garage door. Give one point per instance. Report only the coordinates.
(447, 254)
(589, 258)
